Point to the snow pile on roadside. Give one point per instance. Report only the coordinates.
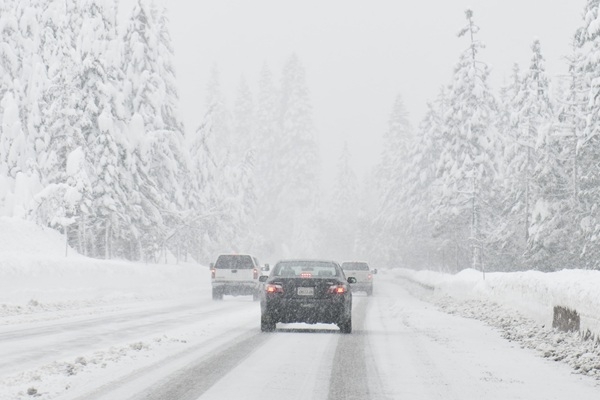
(533, 293)
(520, 305)
(54, 380)
(38, 282)
(35, 274)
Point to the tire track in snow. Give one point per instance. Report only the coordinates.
(349, 376)
(48, 341)
(191, 383)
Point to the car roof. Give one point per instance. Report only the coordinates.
(307, 260)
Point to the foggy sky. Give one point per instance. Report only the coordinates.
(358, 55)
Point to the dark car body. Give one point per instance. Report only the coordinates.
(309, 291)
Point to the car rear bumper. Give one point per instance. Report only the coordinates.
(235, 288)
(308, 311)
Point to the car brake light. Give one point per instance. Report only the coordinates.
(213, 273)
(369, 277)
(274, 288)
(337, 289)
(255, 274)
(305, 275)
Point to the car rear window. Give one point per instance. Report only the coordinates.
(355, 266)
(234, 262)
(317, 269)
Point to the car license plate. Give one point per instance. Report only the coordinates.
(306, 291)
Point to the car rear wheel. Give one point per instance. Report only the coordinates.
(266, 324)
(217, 294)
(346, 326)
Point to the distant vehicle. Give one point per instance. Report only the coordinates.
(235, 274)
(309, 291)
(363, 274)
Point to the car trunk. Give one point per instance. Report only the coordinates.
(305, 288)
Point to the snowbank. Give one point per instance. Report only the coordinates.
(34, 270)
(533, 293)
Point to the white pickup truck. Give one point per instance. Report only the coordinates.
(235, 274)
(363, 274)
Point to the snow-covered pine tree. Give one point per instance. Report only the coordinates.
(267, 134)
(102, 127)
(220, 117)
(420, 174)
(582, 119)
(241, 188)
(342, 228)
(394, 217)
(13, 136)
(156, 134)
(465, 210)
(204, 200)
(61, 116)
(243, 123)
(33, 78)
(531, 115)
(557, 219)
(299, 161)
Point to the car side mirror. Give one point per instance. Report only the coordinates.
(374, 271)
(266, 267)
(211, 265)
(351, 279)
(263, 278)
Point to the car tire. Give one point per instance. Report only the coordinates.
(346, 326)
(266, 324)
(217, 294)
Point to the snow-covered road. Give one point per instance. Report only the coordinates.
(196, 348)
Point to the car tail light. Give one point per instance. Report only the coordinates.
(305, 275)
(213, 273)
(255, 274)
(271, 288)
(337, 289)
(369, 277)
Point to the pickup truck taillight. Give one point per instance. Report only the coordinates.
(255, 274)
(213, 272)
(369, 277)
(274, 288)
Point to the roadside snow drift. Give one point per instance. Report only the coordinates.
(533, 293)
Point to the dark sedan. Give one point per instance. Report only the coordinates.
(309, 291)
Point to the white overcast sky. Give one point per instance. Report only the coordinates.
(358, 54)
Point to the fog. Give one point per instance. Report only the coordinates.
(358, 55)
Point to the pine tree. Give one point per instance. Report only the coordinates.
(221, 118)
(101, 124)
(267, 156)
(421, 191)
(200, 189)
(465, 210)
(532, 112)
(242, 184)
(339, 220)
(298, 163)
(13, 50)
(565, 229)
(393, 217)
(156, 133)
(243, 123)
